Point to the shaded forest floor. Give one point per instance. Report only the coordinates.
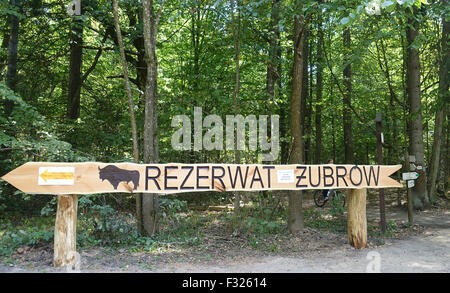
(321, 247)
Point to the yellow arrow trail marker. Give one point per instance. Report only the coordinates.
(94, 177)
(56, 175)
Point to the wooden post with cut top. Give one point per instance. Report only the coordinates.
(65, 241)
(356, 218)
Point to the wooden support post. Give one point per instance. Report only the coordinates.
(65, 231)
(356, 218)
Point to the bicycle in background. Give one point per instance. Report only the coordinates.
(334, 194)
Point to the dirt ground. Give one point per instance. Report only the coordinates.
(423, 247)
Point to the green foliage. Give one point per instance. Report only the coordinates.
(104, 225)
(29, 135)
(337, 204)
(170, 208)
(261, 226)
(320, 220)
(26, 135)
(196, 68)
(391, 228)
(265, 215)
(14, 239)
(32, 232)
(185, 232)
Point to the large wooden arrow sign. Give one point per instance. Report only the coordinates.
(93, 177)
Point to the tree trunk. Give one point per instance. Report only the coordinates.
(76, 59)
(347, 115)
(393, 151)
(195, 37)
(131, 109)
(150, 202)
(444, 173)
(305, 119)
(333, 127)
(127, 82)
(273, 74)
(5, 43)
(236, 32)
(283, 134)
(416, 147)
(283, 106)
(442, 107)
(274, 51)
(295, 212)
(273, 77)
(319, 92)
(11, 72)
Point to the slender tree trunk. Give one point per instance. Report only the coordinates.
(319, 93)
(131, 109)
(11, 72)
(308, 128)
(347, 115)
(195, 39)
(442, 106)
(305, 119)
(283, 134)
(236, 30)
(76, 59)
(333, 127)
(393, 151)
(5, 43)
(127, 82)
(392, 97)
(274, 48)
(138, 42)
(273, 76)
(150, 202)
(295, 212)
(416, 147)
(444, 173)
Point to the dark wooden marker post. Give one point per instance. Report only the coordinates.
(65, 241)
(408, 192)
(380, 161)
(356, 218)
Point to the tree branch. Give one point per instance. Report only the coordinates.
(158, 14)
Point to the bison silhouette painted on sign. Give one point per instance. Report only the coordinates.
(116, 175)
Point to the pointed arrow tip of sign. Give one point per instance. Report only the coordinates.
(5, 177)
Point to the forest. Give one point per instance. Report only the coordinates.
(104, 81)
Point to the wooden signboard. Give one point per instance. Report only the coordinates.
(93, 177)
(67, 180)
